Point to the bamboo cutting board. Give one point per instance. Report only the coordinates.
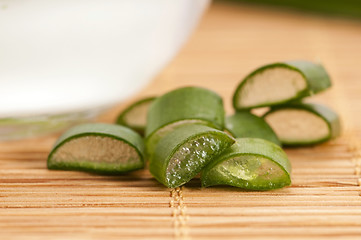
(324, 200)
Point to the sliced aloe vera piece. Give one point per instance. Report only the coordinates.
(250, 163)
(246, 125)
(98, 147)
(179, 107)
(135, 116)
(280, 83)
(299, 124)
(182, 153)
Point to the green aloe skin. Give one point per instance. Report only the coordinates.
(182, 154)
(250, 163)
(247, 125)
(330, 118)
(185, 103)
(98, 150)
(314, 75)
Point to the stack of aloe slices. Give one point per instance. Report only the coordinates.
(186, 132)
(192, 144)
(282, 87)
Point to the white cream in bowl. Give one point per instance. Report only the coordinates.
(67, 56)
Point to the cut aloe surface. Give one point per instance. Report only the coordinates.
(250, 163)
(182, 153)
(280, 83)
(246, 125)
(182, 106)
(135, 116)
(98, 147)
(301, 124)
(152, 141)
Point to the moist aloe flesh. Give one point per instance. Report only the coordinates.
(280, 83)
(301, 124)
(152, 141)
(97, 147)
(183, 153)
(250, 163)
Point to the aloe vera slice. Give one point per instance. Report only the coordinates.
(250, 163)
(299, 124)
(98, 147)
(188, 105)
(280, 83)
(135, 116)
(246, 125)
(183, 153)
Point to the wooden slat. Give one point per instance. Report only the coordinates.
(324, 201)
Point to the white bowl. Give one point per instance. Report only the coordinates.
(70, 58)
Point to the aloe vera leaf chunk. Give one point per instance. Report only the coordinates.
(98, 147)
(301, 124)
(280, 83)
(182, 154)
(250, 163)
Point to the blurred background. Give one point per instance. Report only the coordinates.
(233, 38)
(236, 36)
(334, 8)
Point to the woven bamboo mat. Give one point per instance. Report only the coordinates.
(323, 202)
